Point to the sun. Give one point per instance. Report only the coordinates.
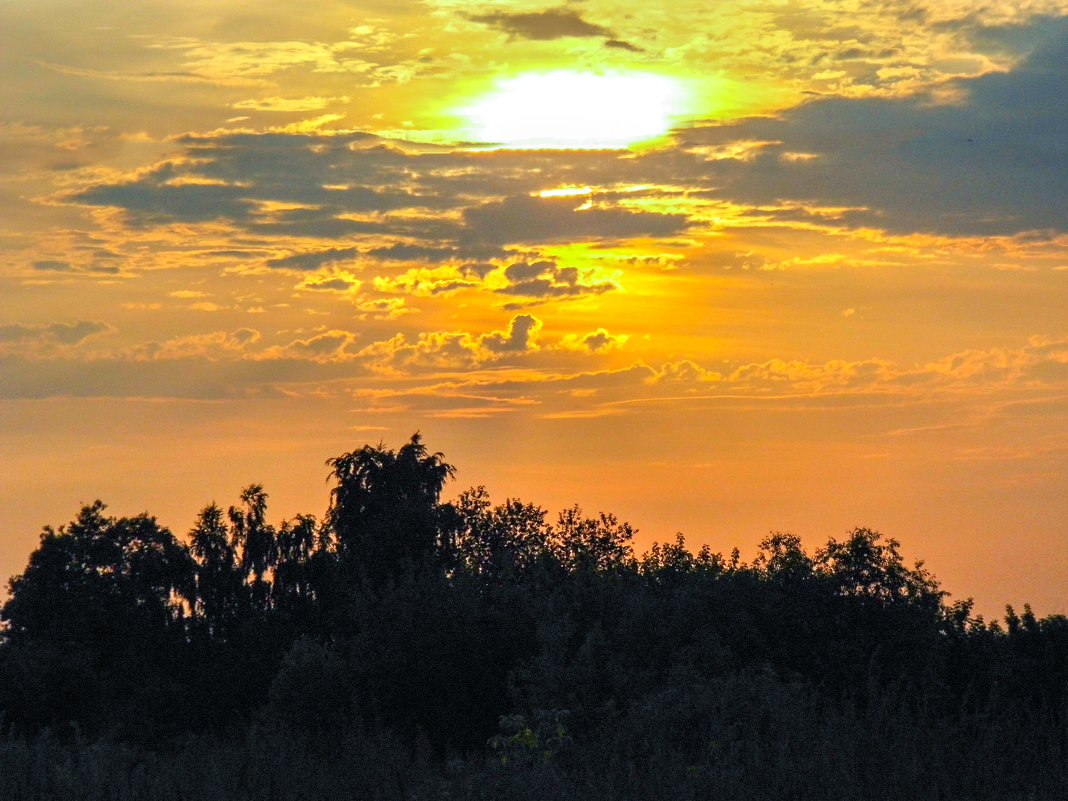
(569, 109)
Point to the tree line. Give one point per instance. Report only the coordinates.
(489, 648)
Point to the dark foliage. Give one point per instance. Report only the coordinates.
(409, 648)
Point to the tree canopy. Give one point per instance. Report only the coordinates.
(470, 626)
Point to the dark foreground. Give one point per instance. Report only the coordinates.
(402, 648)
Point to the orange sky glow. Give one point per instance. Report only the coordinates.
(719, 268)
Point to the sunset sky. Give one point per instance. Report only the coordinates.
(723, 268)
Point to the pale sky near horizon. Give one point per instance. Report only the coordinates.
(720, 268)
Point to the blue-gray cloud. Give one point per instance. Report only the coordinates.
(330, 285)
(517, 339)
(991, 163)
(315, 260)
(545, 280)
(399, 251)
(525, 219)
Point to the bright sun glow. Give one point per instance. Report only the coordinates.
(576, 110)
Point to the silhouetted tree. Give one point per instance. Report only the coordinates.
(256, 542)
(299, 542)
(499, 542)
(599, 543)
(783, 559)
(219, 586)
(95, 627)
(866, 567)
(100, 579)
(401, 620)
(385, 511)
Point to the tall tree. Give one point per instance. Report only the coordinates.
(99, 579)
(385, 511)
(219, 586)
(257, 543)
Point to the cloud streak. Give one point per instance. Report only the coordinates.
(545, 25)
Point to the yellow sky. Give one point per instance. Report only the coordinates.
(720, 268)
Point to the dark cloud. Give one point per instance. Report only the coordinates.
(49, 265)
(401, 252)
(541, 25)
(315, 260)
(151, 200)
(325, 345)
(479, 269)
(245, 336)
(559, 219)
(297, 163)
(326, 179)
(523, 271)
(238, 178)
(991, 163)
(545, 280)
(619, 44)
(451, 286)
(61, 333)
(599, 340)
(330, 284)
(321, 224)
(517, 339)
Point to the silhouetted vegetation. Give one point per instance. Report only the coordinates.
(405, 648)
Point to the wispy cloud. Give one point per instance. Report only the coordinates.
(555, 23)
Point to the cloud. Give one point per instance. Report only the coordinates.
(599, 341)
(426, 282)
(545, 280)
(979, 164)
(403, 252)
(526, 219)
(1043, 362)
(382, 308)
(970, 158)
(313, 260)
(16, 336)
(151, 199)
(436, 206)
(522, 330)
(245, 336)
(213, 345)
(344, 282)
(536, 281)
(439, 350)
(333, 345)
(541, 25)
(621, 45)
(779, 375)
(683, 372)
(194, 377)
(271, 183)
(50, 265)
(288, 104)
(452, 350)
